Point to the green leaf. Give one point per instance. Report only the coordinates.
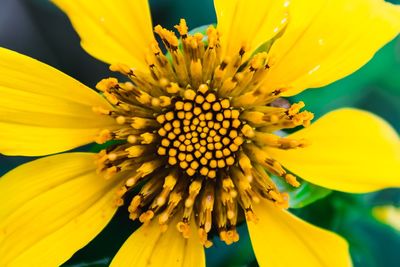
(303, 195)
(372, 244)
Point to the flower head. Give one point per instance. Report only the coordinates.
(195, 127)
(198, 129)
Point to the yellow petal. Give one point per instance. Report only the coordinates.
(117, 31)
(42, 110)
(351, 150)
(149, 247)
(280, 239)
(327, 40)
(52, 207)
(249, 23)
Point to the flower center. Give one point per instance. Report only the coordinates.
(201, 133)
(192, 132)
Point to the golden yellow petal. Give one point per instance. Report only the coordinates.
(327, 40)
(147, 246)
(42, 110)
(280, 239)
(249, 23)
(52, 207)
(117, 31)
(351, 150)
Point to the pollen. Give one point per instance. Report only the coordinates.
(191, 134)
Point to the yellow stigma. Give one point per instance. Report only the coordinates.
(194, 129)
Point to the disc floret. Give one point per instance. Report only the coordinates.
(201, 133)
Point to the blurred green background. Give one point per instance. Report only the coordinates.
(36, 28)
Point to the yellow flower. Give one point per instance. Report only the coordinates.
(197, 130)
